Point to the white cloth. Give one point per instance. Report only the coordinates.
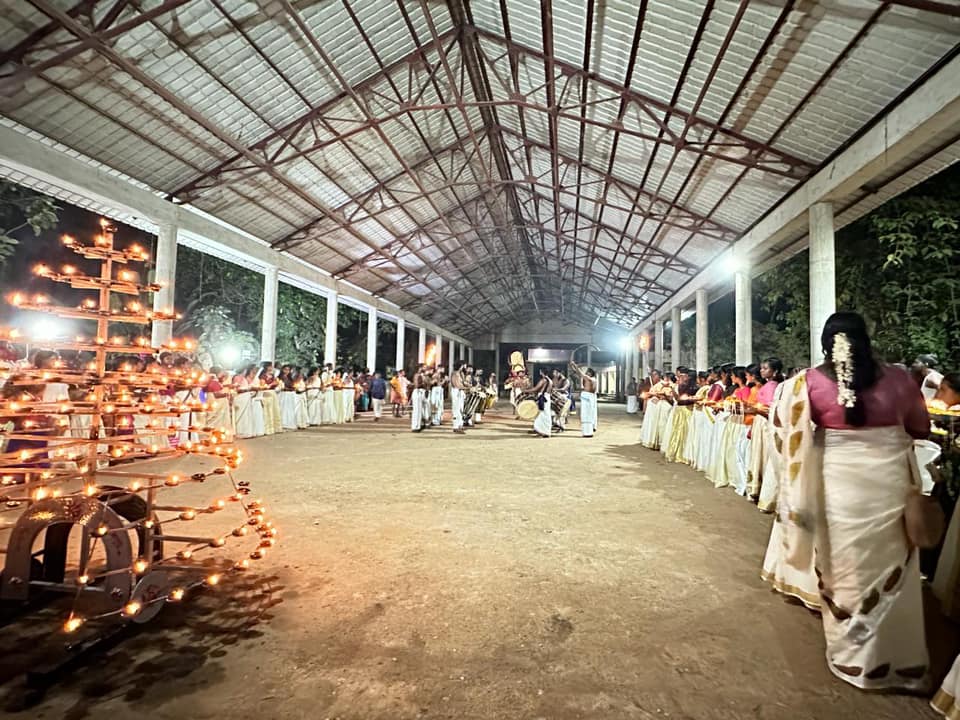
(243, 414)
(417, 419)
(218, 414)
(588, 413)
(303, 418)
(867, 560)
(456, 407)
(339, 409)
(377, 407)
(543, 422)
(947, 700)
(649, 425)
(288, 409)
(314, 402)
(259, 416)
(436, 404)
(632, 404)
(666, 426)
(931, 383)
(349, 403)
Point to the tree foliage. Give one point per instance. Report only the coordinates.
(899, 267)
(21, 208)
(204, 280)
(219, 341)
(301, 326)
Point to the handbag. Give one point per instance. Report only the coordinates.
(924, 520)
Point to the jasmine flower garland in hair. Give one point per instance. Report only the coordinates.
(843, 367)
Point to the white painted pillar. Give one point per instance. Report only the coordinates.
(645, 372)
(823, 281)
(463, 353)
(268, 326)
(438, 350)
(658, 345)
(743, 322)
(674, 339)
(165, 272)
(372, 340)
(422, 345)
(703, 334)
(401, 341)
(470, 354)
(590, 359)
(496, 359)
(451, 364)
(330, 341)
(628, 359)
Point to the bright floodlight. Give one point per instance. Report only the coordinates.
(624, 344)
(45, 329)
(229, 354)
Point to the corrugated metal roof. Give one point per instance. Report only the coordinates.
(414, 148)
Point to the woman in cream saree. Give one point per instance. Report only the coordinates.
(843, 491)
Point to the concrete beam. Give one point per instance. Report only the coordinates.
(930, 110)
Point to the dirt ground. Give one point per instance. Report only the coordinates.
(492, 575)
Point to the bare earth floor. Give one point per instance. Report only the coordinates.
(495, 575)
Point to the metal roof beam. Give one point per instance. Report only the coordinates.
(290, 129)
(757, 148)
(168, 96)
(480, 83)
(712, 225)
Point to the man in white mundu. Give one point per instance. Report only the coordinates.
(588, 400)
(436, 397)
(327, 410)
(418, 401)
(456, 398)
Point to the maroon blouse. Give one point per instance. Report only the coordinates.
(894, 400)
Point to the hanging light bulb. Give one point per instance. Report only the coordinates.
(176, 595)
(72, 624)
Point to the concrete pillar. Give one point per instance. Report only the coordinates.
(470, 354)
(645, 372)
(496, 360)
(628, 359)
(401, 341)
(463, 352)
(330, 341)
(823, 281)
(268, 327)
(674, 338)
(450, 361)
(590, 357)
(422, 345)
(372, 340)
(658, 345)
(703, 334)
(166, 274)
(743, 322)
(438, 350)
